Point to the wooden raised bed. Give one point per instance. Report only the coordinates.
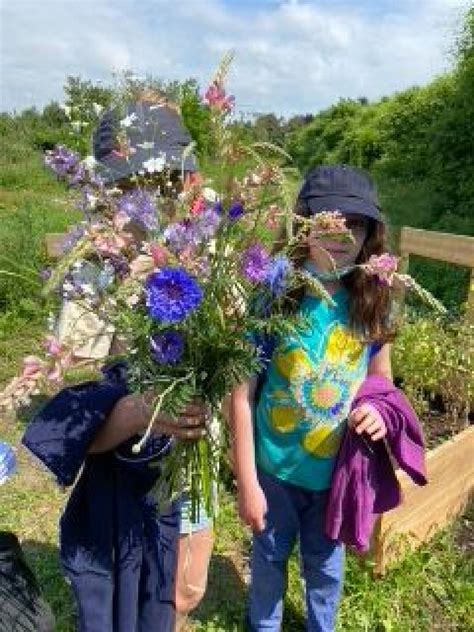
(426, 510)
(450, 466)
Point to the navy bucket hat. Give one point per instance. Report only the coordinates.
(339, 187)
(154, 131)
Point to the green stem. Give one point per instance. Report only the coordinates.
(136, 448)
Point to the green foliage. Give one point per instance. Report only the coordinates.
(435, 356)
(31, 205)
(196, 117)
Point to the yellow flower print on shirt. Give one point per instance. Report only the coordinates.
(322, 442)
(283, 414)
(343, 347)
(293, 365)
(284, 418)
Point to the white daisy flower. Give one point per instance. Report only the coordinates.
(128, 120)
(209, 194)
(156, 164)
(89, 162)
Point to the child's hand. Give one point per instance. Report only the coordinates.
(252, 506)
(367, 419)
(191, 425)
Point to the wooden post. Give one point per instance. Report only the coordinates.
(54, 243)
(470, 298)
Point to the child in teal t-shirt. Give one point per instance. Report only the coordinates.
(306, 395)
(285, 444)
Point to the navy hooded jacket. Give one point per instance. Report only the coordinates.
(118, 553)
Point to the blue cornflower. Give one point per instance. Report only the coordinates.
(235, 211)
(140, 207)
(171, 294)
(167, 347)
(277, 274)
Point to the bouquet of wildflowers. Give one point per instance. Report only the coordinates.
(169, 267)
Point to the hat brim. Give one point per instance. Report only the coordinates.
(345, 204)
(114, 167)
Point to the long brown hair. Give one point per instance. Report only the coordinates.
(370, 302)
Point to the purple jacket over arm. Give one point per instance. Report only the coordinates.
(364, 483)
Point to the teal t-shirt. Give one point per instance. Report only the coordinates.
(306, 395)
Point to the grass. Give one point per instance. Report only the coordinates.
(432, 589)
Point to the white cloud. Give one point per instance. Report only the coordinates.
(291, 56)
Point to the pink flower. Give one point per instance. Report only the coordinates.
(53, 346)
(382, 266)
(160, 255)
(55, 374)
(191, 180)
(216, 98)
(32, 368)
(110, 244)
(199, 206)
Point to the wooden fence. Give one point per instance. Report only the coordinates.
(456, 249)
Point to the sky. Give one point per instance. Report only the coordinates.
(291, 56)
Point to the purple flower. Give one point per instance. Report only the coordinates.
(206, 225)
(167, 347)
(171, 294)
(72, 238)
(139, 207)
(180, 235)
(277, 273)
(235, 211)
(383, 267)
(62, 161)
(255, 262)
(78, 176)
(120, 265)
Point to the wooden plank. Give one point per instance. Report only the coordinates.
(55, 244)
(470, 298)
(426, 510)
(458, 249)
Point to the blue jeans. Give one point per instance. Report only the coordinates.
(294, 512)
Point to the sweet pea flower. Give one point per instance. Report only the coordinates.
(383, 266)
(215, 96)
(159, 254)
(198, 206)
(53, 346)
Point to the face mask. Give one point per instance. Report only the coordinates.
(309, 266)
